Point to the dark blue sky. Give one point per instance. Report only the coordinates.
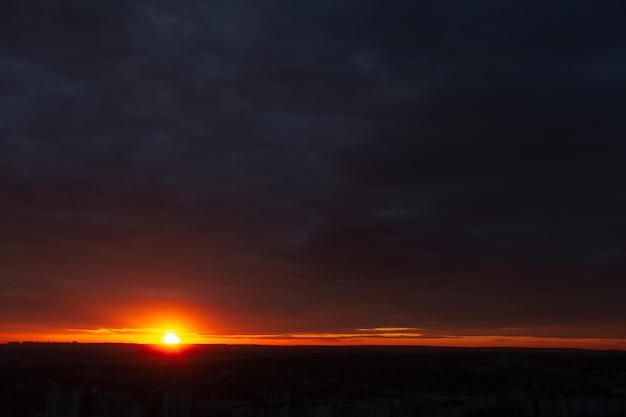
(284, 167)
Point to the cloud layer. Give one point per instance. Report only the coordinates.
(279, 168)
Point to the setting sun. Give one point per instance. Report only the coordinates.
(170, 338)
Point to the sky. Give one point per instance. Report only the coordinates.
(425, 172)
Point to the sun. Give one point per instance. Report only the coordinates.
(170, 338)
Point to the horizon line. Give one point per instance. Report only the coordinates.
(74, 342)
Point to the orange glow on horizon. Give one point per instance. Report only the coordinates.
(177, 332)
(157, 337)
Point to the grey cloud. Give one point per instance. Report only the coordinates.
(421, 163)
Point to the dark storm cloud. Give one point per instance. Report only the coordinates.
(449, 166)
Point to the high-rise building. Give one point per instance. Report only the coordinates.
(60, 403)
(177, 403)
